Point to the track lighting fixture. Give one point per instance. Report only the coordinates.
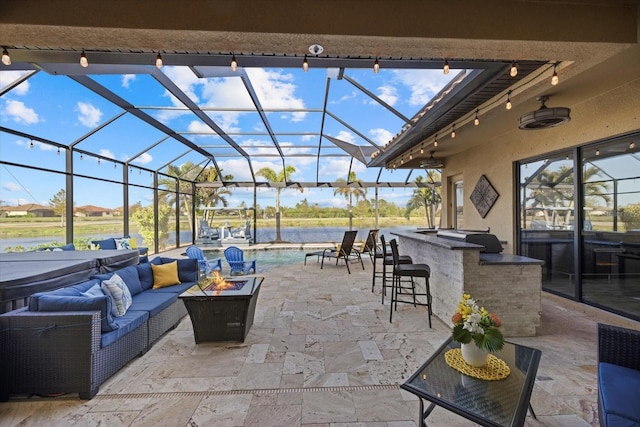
(159, 61)
(476, 121)
(376, 66)
(6, 59)
(508, 105)
(554, 77)
(83, 59)
(445, 68)
(234, 63)
(453, 131)
(514, 69)
(305, 64)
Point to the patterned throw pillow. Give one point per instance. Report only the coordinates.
(123, 243)
(120, 296)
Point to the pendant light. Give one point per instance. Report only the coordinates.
(376, 66)
(6, 59)
(159, 61)
(554, 77)
(305, 64)
(453, 131)
(476, 121)
(508, 105)
(234, 63)
(514, 69)
(445, 68)
(83, 59)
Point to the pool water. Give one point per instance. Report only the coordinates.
(266, 259)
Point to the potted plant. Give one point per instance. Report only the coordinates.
(476, 329)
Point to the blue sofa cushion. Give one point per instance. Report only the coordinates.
(153, 302)
(70, 291)
(129, 275)
(146, 275)
(94, 291)
(131, 320)
(175, 289)
(80, 303)
(618, 388)
(109, 243)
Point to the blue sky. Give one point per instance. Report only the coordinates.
(57, 108)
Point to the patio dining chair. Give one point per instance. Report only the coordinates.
(206, 265)
(345, 251)
(237, 263)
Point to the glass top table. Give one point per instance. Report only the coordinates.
(487, 403)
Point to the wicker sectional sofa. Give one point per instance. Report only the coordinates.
(65, 342)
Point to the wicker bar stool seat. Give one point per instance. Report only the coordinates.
(410, 271)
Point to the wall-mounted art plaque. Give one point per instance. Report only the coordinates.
(484, 196)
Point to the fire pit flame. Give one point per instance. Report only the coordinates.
(219, 284)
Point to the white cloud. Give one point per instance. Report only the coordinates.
(388, 94)
(21, 113)
(143, 159)
(107, 153)
(276, 90)
(345, 136)
(127, 78)
(11, 186)
(346, 97)
(88, 114)
(380, 136)
(8, 77)
(339, 168)
(423, 84)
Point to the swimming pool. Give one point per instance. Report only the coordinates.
(265, 259)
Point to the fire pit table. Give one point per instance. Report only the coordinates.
(222, 309)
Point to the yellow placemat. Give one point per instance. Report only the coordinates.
(495, 369)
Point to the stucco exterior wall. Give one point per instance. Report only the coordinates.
(613, 113)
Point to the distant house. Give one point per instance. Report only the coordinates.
(91, 211)
(28, 209)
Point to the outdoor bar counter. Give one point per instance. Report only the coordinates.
(505, 284)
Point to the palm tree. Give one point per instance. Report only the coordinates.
(212, 196)
(272, 176)
(349, 193)
(424, 197)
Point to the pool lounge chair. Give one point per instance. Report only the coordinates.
(346, 251)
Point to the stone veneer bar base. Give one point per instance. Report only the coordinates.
(508, 285)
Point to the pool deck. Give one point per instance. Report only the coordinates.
(321, 353)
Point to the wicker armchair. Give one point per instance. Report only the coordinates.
(618, 376)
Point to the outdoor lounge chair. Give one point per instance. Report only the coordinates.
(206, 265)
(371, 245)
(237, 263)
(346, 251)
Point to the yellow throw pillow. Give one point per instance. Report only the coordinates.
(133, 242)
(165, 275)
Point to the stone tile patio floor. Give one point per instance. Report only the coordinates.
(321, 353)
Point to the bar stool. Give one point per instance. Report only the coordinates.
(387, 260)
(412, 271)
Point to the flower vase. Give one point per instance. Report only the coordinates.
(474, 355)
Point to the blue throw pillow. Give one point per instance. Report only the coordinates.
(81, 303)
(120, 296)
(187, 268)
(146, 275)
(129, 275)
(109, 243)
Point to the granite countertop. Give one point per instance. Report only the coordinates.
(442, 242)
